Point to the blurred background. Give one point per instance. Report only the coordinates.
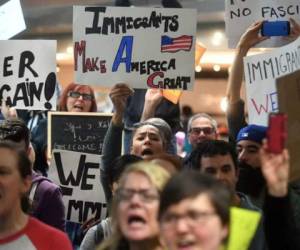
(52, 19)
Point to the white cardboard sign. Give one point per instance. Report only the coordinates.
(144, 47)
(78, 175)
(28, 74)
(240, 14)
(11, 19)
(261, 72)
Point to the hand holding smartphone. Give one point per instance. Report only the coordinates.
(277, 132)
(275, 28)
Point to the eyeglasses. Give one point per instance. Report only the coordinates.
(86, 97)
(192, 218)
(205, 130)
(145, 195)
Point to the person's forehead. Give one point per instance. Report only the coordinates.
(199, 202)
(137, 180)
(216, 160)
(201, 122)
(82, 89)
(7, 158)
(147, 129)
(247, 144)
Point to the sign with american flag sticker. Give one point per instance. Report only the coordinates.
(143, 47)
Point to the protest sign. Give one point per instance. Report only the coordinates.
(144, 47)
(240, 14)
(27, 76)
(77, 131)
(288, 100)
(11, 19)
(261, 72)
(78, 175)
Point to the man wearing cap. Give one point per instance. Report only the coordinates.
(248, 144)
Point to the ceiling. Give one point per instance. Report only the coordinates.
(52, 19)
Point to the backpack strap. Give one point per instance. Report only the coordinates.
(33, 191)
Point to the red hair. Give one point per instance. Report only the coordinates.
(62, 105)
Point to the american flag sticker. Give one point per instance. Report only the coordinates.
(172, 45)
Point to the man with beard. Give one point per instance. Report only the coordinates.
(248, 144)
(218, 159)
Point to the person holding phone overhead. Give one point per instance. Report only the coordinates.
(247, 139)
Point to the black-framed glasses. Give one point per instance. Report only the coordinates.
(75, 94)
(205, 130)
(145, 195)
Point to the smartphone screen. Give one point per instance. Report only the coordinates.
(275, 28)
(277, 132)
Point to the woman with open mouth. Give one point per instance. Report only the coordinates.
(194, 212)
(135, 208)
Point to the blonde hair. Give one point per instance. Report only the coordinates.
(157, 175)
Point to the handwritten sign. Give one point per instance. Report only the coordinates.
(240, 14)
(243, 225)
(78, 176)
(80, 132)
(289, 99)
(261, 72)
(144, 47)
(27, 76)
(11, 19)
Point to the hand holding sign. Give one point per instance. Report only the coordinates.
(295, 30)
(7, 111)
(118, 95)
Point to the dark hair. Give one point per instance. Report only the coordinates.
(23, 164)
(14, 129)
(210, 148)
(120, 164)
(62, 105)
(190, 184)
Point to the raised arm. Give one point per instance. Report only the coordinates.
(153, 97)
(282, 204)
(249, 39)
(113, 139)
(235, 113)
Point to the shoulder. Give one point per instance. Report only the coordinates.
(247, 203)
(42, 234)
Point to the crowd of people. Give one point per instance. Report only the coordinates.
(157, 200)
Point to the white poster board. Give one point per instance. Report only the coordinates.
(11, 19)
(28, 74)
(261, 72)
(144, 47)
(78, 175)
(240, 14)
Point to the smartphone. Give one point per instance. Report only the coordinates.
(275, 28)
(277, 132)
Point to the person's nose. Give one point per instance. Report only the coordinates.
(80, 98)
(242, 157)
(135, 199)
(181, 225)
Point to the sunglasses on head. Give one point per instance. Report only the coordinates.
(75, 94)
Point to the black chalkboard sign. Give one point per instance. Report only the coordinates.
(80, 131)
